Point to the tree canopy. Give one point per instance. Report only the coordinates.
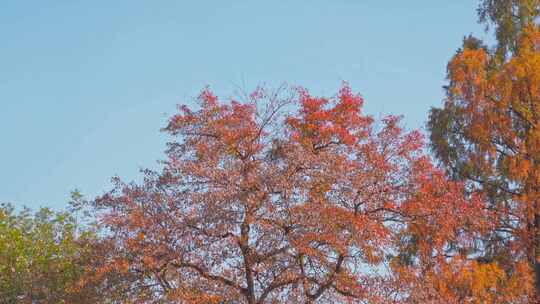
(486, 134)
(43, 257)
(288, 197)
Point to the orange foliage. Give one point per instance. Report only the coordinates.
(293, 198)
(496, 108)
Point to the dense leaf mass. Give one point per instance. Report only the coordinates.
(487, 135)
(287, 197)
(44, 257)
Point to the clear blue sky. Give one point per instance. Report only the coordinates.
(85, 86)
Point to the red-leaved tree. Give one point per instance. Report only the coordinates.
(287, 198)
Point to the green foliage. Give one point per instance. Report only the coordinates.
(508, 18)
(42, 255)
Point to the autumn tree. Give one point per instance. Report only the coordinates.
(284, 197)
(487, 134)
